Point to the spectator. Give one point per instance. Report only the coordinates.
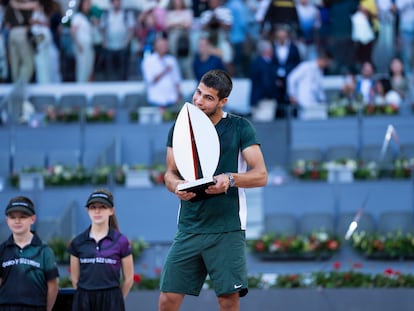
(263, 80)
(82, 36)
(385, 47)
(341, 43)
(398, 77)
(4, 66)
(309, 23)
(47, 63)
(95, 14)
(286, 58)
(206, 58)
(323, 35)
(405, 10)
(56, 23)
(385, 95)
(20, 50)
(118, 29)
(365, 30)
(270, 14)
(365, 83)
(179, 22)
(217, 21)
(146, 31)
(238, 36)
(305, 83)
(162, 76)
(160, 14)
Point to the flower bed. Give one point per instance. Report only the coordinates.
(394, 245)
(390, 109)
(344, 106)
(61, 175)
(99, 114)
(166, 115)
(313, 170)
(73, 114)
(331, 279)
(318, 245)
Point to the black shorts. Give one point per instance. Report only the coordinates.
(21, 308)
(102, 300)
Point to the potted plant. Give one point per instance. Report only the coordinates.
(393, 245)
(137, 247)
(59, 247)
(317, 245)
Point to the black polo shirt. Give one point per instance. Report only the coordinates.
(25, 272)
(100, 262)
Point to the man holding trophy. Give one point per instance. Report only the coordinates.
(212, 156)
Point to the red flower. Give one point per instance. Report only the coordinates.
(111, 113)
(277, 243)
(137, 278)
(315, 175)
(293, 277)
(388, 272)
(378, 245)
(370, 109)
(260, 246)
(357, 265)
(332, 245)
(158, 271)
(337, 265)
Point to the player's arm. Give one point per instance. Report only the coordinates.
(52, 292)
(172, 177)
(256, 175)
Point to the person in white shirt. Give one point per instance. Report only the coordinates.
(82, 36)
(162, 76)
(47, 67)
(305, 82)
(118, 29)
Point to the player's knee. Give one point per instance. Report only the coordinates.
(169, 301)
(229, 302)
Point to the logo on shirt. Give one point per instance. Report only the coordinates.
(97, 260)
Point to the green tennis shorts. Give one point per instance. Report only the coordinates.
(192, 257)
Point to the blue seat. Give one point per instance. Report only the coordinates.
(281, 223)
(392, 221)
(316, 221)
(29, 159)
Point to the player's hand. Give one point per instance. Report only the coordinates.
(183, 195)
(222, 185)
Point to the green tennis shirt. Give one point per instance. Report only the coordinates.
(227, 212)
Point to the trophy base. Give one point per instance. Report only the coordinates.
(198, 187)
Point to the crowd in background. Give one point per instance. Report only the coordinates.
(262, 40)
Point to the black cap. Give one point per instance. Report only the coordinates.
(20, 206)
(101, 197)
